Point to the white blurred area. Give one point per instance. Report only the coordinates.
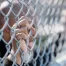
(48, 29)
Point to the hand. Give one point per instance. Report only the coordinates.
(21, 33)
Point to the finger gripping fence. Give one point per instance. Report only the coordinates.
(33, 32)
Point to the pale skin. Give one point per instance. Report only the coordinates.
(22, 34)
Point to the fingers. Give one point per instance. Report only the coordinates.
(23, 33)
(21, 36)
(22, 30)
(23, 23)
(27, 18)
(25, 30)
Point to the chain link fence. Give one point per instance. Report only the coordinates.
(49, 19)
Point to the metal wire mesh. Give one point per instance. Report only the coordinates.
(49, 19)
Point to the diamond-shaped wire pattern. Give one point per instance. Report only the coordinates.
(49, 20)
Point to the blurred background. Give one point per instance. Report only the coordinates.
(50, 16)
